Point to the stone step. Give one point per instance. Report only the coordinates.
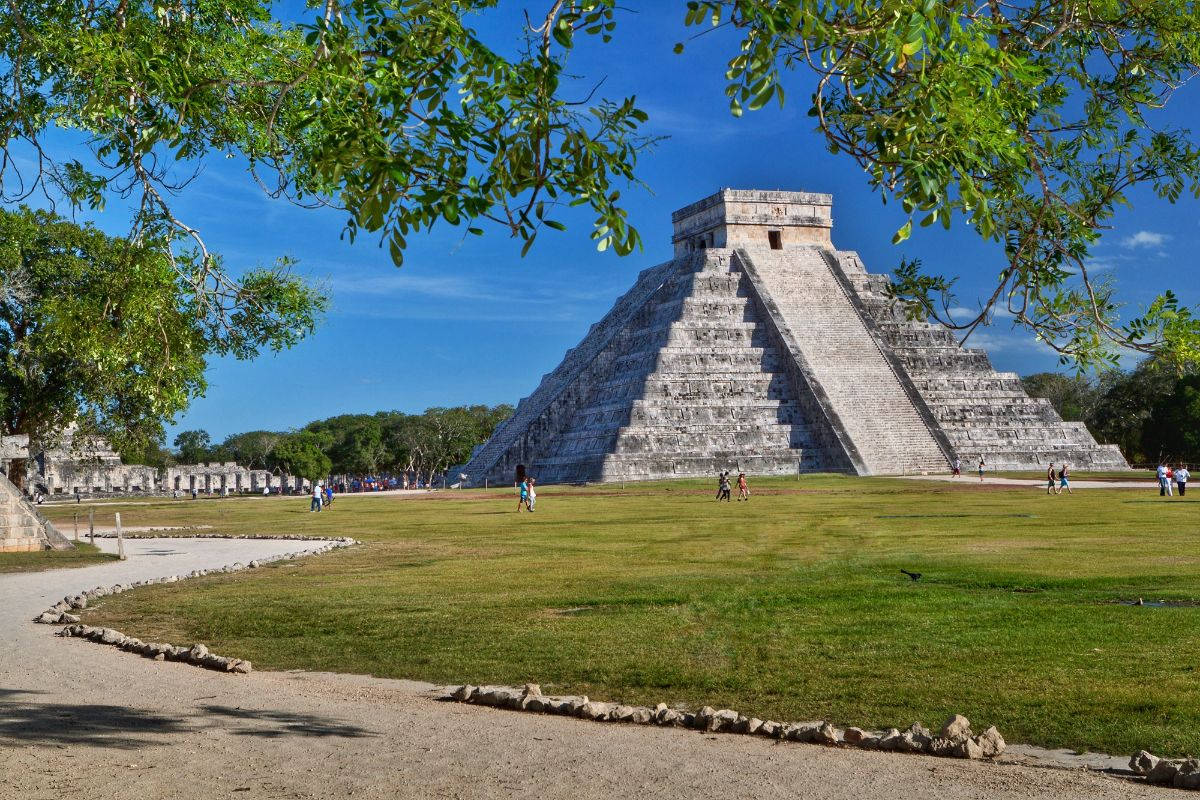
(846, 361)
(22, 544)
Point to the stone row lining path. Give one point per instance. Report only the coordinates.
(78, 720)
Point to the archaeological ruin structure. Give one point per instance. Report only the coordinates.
(761, 347)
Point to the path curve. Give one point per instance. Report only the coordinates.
(82, 720)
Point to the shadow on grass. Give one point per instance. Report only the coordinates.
(28, 721)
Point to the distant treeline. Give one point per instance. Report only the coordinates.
(1151, 412)
(423, 444)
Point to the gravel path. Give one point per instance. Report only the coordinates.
(1147, 484)
(82, 720)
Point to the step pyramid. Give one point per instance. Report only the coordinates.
(763, 349)
(22, 527)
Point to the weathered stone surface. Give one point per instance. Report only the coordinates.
(889, 739)
(1163, 772)
(854, 735)
(956, 726)
(802, 731)
(771, 729)
(1188, 775)
(990, 742)
(1142, 762)
(722, 720)
(828, 734)
(596, 710)
(498, 696)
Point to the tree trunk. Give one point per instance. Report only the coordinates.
(16, 472)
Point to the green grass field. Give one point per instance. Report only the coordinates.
(789, 607)
(84, 555)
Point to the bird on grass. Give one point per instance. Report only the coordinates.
(916, 576)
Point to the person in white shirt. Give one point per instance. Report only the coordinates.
(1181, 478)
(1163, 483)
(316, 497)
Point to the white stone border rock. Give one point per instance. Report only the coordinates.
(955, 740)
(1182, 773)
(197, 654)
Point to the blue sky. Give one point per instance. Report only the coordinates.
(466, 320)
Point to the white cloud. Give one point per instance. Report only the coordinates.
(963, 314)
(1145, 239)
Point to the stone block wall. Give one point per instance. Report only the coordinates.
(22, 527)
(983, 412)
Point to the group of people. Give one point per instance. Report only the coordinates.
(724, 488)
(528, 498)
(1168, 475)
(956, 467)
(322, 496)
(1061, 476)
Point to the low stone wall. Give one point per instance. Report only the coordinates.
(955, 739)
(197, 654)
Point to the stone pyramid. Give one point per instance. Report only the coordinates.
(22, 527)
(761, 348)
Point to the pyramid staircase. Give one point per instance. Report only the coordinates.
(22, 527)
(982, 412)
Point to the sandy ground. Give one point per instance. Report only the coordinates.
(1149, 484)
(79, 720)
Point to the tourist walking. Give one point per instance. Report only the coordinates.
(956, 467)
(532, 494)
(982, 466)
(328, 495)
(1064, 481)
(723, 489)
(1050, 478)
(1181, 478)
(743, 489)
(315, 505)
(523, 500)
(1163, 483)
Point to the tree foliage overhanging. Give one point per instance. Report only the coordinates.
(391, 442)
(104, 335)
(1030, 122)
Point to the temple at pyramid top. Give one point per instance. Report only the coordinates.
(753, 218)
(761, 347)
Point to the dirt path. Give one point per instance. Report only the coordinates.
(1149, 484)
(82, 720)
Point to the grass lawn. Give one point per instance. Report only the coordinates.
(84, 555)
(789, 607)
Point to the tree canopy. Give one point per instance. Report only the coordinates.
(103, 334)
(1030, 122)
(426, 444)
(1146, 411)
